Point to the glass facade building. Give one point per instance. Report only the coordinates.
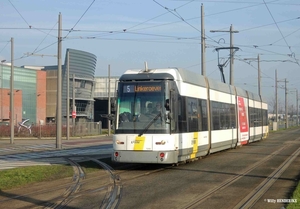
(38, 89)
(80, 73)
(101, 87)
(101, 95)
(27, 81)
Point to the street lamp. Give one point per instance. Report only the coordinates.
(2, 61)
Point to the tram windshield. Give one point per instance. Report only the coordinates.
(141, 108)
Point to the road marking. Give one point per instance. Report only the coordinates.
(49, 157)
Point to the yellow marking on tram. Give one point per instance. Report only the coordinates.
(195, 145)
(266, 134)
(139, 143)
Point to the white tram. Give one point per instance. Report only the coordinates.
(199, 116)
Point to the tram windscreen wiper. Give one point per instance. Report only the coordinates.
(150, 123)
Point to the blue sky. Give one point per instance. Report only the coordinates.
(165, 33)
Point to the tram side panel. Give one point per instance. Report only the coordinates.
(192, 121)
(243, 121)
(255, 119)
(265, 119)
(223, 117)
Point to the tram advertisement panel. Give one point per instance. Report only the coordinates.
(243, 120)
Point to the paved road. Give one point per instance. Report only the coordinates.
(221, 180)
(260, 175)
(26, 152)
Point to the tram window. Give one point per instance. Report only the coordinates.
(167, 105)
(232, 116)
(250, 117)
(259, 117)
(215, 115)
(182, 123)
(265, 117)
(192, 111)
(222, 116)
(225, 116)
(125, 107)
(200, 115)
(203, 110)
(253, 116)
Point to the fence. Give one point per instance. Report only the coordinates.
(49, 130)
(281, 124)
(82, 129)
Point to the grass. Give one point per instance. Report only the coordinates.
(296, 195)
(18, 177)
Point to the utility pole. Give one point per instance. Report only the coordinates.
(68, 97)
(286, 107)
(259, 73)
(231, 55)
(109, 111)
(275, 123)
(59, 88)
(297, 108)
(297, 111)
(231, 31)
(276, 96)
(11, 109)
(259, 76)
(203, 69)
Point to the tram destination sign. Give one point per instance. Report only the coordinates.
(141, 88)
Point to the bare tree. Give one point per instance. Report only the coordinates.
(272, 105)
(291, 110)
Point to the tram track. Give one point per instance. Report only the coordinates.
(113, 188)
(230, 181)
(270, 179)
(255, 194)
(261, 189)
(73, 190)
(78, 176)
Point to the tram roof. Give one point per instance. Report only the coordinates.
(187, 76)
(165, 74)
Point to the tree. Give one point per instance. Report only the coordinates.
(272, 105)
(291, 110)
